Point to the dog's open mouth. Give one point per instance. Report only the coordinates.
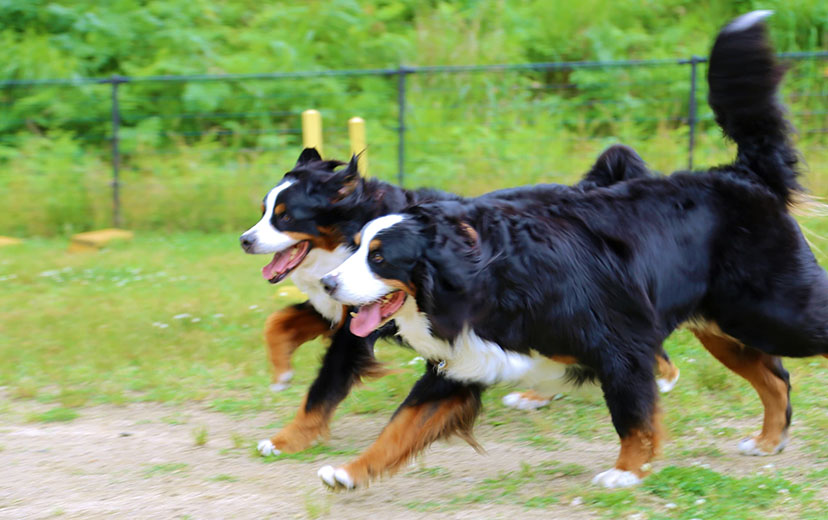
(369, 317)
(285, 261)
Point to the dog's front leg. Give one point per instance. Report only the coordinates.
(435, 409)
(348, 359)
(286, 330)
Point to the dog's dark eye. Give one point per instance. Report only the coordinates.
(284, 218)
(376, 257)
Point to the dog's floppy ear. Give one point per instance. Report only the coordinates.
(346, 180)
(308, 155)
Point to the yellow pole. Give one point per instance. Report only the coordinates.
(312, 130)
(356, 134)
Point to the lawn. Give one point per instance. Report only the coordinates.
(177, 318)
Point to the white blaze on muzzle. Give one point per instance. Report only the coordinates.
(356, 283)
(263, 236)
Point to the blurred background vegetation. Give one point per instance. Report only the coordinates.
(198, 155)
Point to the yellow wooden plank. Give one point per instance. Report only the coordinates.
(9, 241)
(94, 240)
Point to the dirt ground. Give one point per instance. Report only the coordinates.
(141, 461)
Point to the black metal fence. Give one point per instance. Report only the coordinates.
(415, 114)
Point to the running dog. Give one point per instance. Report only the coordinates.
(307, 224)
(563, 286)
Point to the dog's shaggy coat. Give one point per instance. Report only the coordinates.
(578, 285)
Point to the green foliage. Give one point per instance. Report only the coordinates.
(198, 155)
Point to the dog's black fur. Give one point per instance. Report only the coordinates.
(330, 202)
(605, 275)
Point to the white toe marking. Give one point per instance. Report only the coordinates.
(616, 478)
(746, 21)
(282, 381)
(343, 478)
(516, 400)
(748, 447)
(665, 385)
(266, 448)
(512, 399)
(326, 473)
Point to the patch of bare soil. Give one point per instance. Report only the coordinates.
(142, 461)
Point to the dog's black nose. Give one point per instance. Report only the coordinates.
(330, 282)
(246, 242)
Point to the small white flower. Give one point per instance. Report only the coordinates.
(670, 505)
(576, 501)
(218, 315)
(700, 501)
(253, 307)
(181, 316)
(195, 320)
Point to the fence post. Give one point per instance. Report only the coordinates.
(356, 136)
(116, 80)
(402, 72)
(691, 119)
(312, 130)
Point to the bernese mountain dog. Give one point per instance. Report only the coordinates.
(564, 286)
(307, 223)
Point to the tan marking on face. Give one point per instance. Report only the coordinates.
(279, 209)
(400, 286)
(327, 239)
(357, 239)
(374, 244)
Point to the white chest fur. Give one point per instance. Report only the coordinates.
(474, 360)
(306, 277)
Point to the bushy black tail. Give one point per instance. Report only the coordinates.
(744, 75)
(618, 163)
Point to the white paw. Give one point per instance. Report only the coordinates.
(335, 478)
(665, 385)
(267, 448)
(344, 479)
(616, 478)
(749, 447)
(282, 382)
(517, 400)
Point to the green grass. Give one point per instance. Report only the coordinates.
(86, 329)
(170, 468)
(58, 414)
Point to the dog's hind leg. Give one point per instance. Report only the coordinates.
(667, 374)
(436, 408)
(349, 359)
(770, 380)
(286, 330)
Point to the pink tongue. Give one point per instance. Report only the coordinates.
(366, 320)
(277, 265)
